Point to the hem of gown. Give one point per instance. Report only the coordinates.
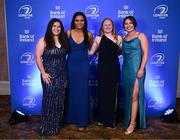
(49, 133)
(78, 125)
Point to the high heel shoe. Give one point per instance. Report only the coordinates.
(130, 129)
(81, 129)
(99, 124)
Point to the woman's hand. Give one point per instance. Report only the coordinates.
(140, 73)
(46, 78)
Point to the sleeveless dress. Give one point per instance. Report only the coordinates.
(78, 74)
(132, 57)
(54, 61)
(108, 78)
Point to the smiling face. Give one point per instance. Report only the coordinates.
(129, 25)
(79, 22)
(56, 28)
(107, 26)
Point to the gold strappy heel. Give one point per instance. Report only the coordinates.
(130, 129)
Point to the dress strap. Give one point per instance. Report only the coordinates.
(70, 34)
(138, 34)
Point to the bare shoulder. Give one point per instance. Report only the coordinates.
(144, 41)
(142, 36)
(89, 34)
(68, 32)
(41, 41)
(98, 38)
(119, 38)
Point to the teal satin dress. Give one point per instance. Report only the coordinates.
(132, 57)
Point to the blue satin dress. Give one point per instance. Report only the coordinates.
(78, 73)
(132, 57)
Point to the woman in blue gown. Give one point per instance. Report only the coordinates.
(135, 55)
(78, 72)
(51, 61)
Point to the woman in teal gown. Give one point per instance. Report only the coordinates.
(135, 54)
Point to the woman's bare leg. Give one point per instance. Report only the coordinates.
(134, 110)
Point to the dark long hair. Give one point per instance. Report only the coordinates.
(49, 39)
(85, 31)
(131, 18)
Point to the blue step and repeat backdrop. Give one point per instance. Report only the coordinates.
(26, 22)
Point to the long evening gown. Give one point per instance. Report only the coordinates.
(78, 74)
(54, 61)
(108, 78)
(132, 57)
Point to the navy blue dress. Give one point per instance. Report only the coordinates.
(54, 61)
(78, 74)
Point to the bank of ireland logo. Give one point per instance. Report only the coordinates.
(154, 103)
(25, 11)
(157, 59)
(57, 12)
(122, 13)
(92, 11)
(29, 101)
(161, 11)
(27, 58)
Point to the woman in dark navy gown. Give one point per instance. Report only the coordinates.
(51, 61)
(108, 45)
(78, 72)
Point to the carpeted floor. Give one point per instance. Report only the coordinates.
(30, 130)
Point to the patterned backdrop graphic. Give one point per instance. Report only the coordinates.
(26, 22)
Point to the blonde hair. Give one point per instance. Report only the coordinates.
(114, 34)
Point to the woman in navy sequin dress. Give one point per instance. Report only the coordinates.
(51, 61)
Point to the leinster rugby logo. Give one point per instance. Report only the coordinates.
(154, 103)
(29, 101)
(92, 11)
(157, 59)
(161, 11)
(27, 58)
(25, 11)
